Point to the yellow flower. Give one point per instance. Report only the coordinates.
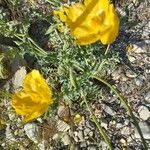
(2, 124)
(77, 118)
(92, 21)
(35, 97)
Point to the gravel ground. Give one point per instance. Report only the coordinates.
(132, 77)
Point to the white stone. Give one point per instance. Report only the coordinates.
(123, 141)
(55, 136)
(126, 131)
(66, 139)
(130, 74)
(103, 124)
(75, 133)
(80, 136)
(131, 58)
(144, 113)
(32, 132)
(91, 133)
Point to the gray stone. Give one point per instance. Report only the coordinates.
(86, 131)
(18, 62)
(139, 81)
(144, 113)
(140, 47)
(145, 130)
(18, 78)
(108, 110)
(147, 97)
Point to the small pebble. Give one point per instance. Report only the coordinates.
(130, 74)
(86, 131)
(126, 131)
(116, 75)
(103, 124)
(144, 113)
(108, 110)
(91, 133)
(131, 58)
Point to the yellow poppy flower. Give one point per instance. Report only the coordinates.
(34, 98)
(91, 21)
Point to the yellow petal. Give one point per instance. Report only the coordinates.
(88, 39)
(77, 118)
(35, 97)
(61, 14)
(92, 21)
(112, 21)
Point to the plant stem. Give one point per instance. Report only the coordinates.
(107, 49)
(100, 129)
(40, 50)
(124, 101)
